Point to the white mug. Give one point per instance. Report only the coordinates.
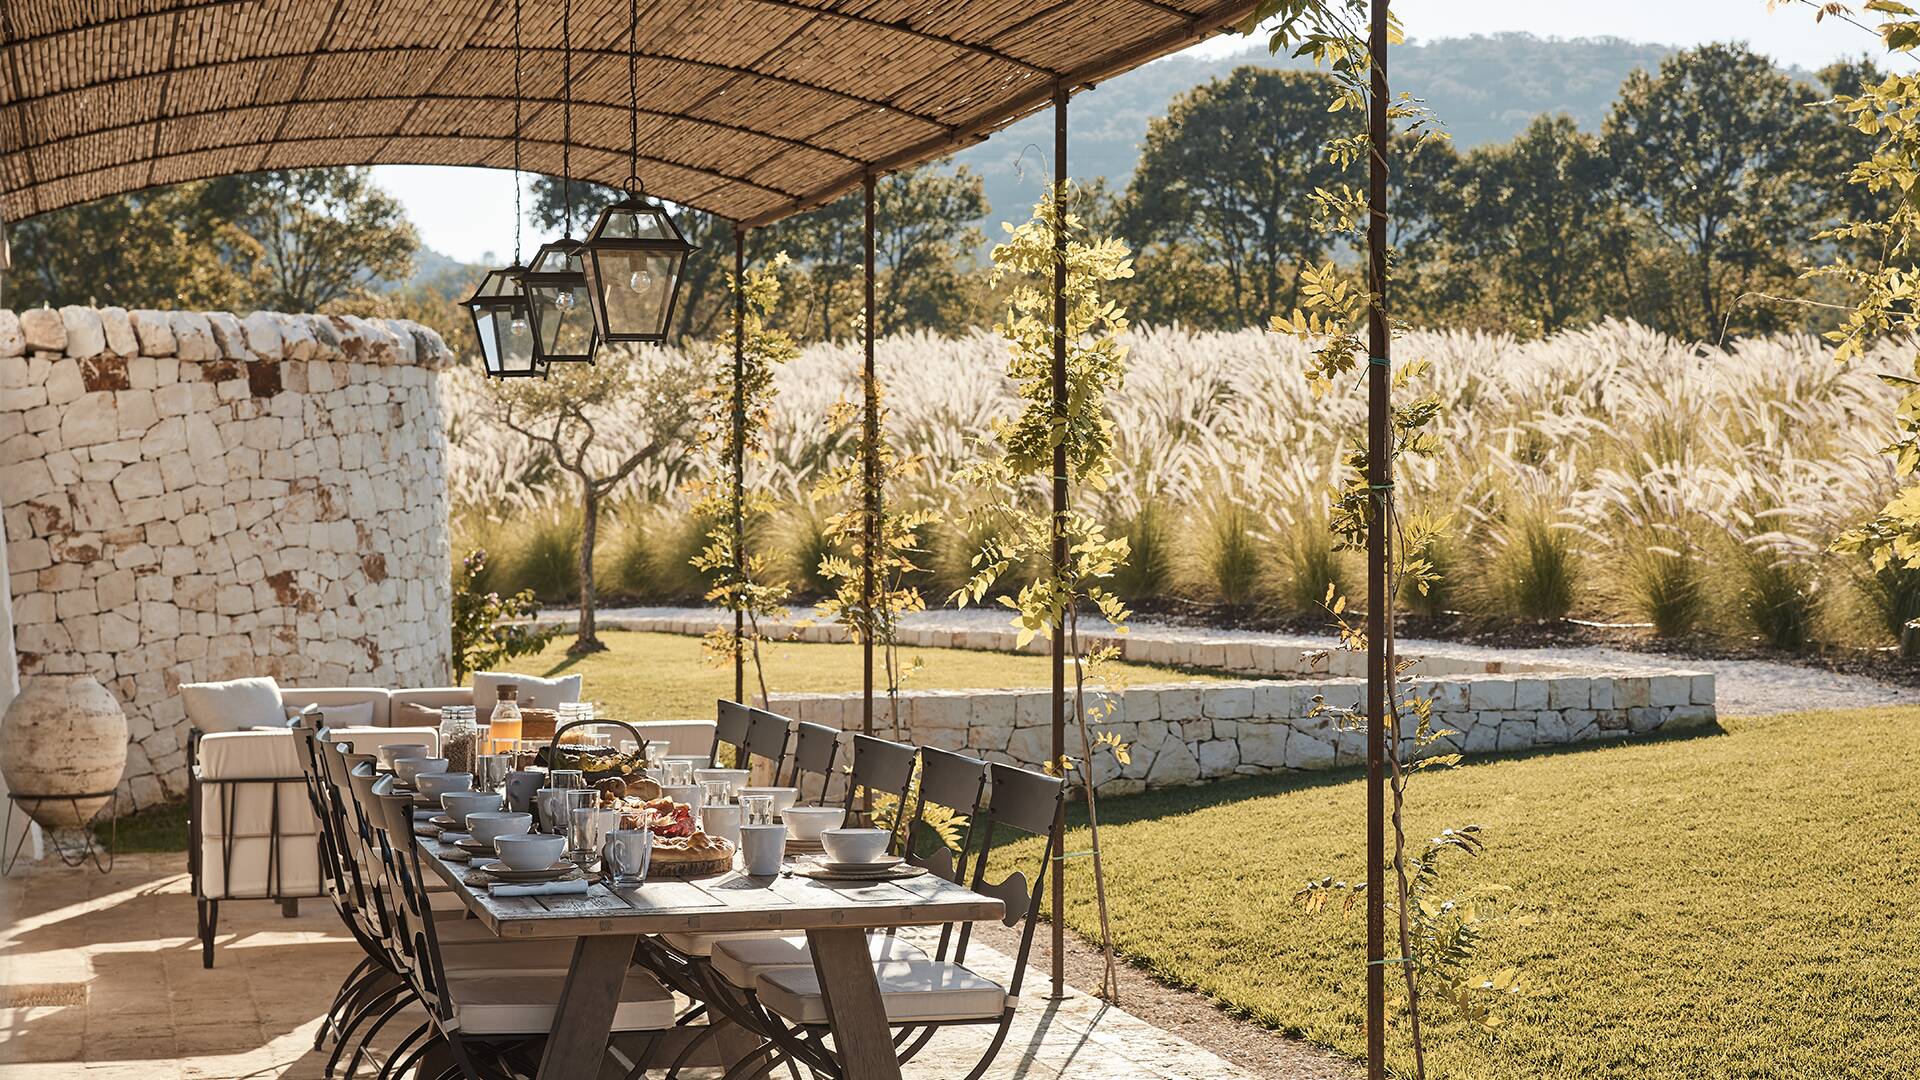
(721, 821)
(763, 848)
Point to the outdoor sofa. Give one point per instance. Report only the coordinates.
(252, 834)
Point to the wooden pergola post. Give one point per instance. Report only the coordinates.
(870, 486)
(739, 462)
(1380, 477)
(1059, 522)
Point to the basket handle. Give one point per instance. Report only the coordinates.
(639, 742)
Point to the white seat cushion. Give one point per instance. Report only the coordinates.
(231, 705)
(341, 705)
(701, 943)
(524, 1005)
(914, 991)
(259, 870)
(741, 961)
(535, 692)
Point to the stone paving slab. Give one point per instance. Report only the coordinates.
(121, 949)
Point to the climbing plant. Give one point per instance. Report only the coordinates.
(1018, 464)
(736, 409)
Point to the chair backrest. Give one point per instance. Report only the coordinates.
(1025, 802)
(732, 721)
(883, 768)
(766, 738)
(952, 782)
(814, 748)
(415, 949)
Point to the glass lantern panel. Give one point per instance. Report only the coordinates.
(636, 288)
(515, 337)
(557, 260)
(564, 318)
(647, 224)
(488, 332)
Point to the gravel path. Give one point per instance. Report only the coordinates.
(1744, 687)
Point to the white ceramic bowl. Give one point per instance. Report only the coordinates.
(432, 785)
(735, 778)
(458, 804)
(385, 754)
(783, 797)
(530, 851)
(855, 845)
(489, 825)
(808, 822)
(405, 769)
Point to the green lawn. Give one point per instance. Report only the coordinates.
(666, 676)
(1735, 904)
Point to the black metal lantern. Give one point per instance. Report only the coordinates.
(500, 319)
(634, 258)
(561, 304)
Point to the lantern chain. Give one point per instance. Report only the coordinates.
(516, 132)
(633, 86)
(566, 114)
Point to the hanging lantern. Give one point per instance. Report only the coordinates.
(556, 283)
(634, 258)
(561, 304)
(499, 311)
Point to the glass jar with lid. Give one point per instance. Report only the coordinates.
(503, 729)
(458, 737)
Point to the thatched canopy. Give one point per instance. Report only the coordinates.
(753, 109)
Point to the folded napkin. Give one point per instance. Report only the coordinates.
(569, 887)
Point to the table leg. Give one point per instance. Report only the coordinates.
(854, 1008)
(577, 1042)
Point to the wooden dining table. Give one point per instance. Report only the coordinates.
(609, 922)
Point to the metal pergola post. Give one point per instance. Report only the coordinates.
(1059, 521)
(739, 462)
(1379, 540)
(870, 488)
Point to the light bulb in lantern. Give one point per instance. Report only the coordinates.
(563, 299)
(519, 324)
(641, 280)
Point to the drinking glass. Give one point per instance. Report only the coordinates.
(756, 809)
(566, 778)
(490, 771)
(657, 751)
(624, 856)
(552, 805)
(679, 774)
(587, 831)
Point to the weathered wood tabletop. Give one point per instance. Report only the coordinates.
(609, 922)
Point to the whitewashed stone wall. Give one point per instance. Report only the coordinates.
(1194, 732)
(192, 496)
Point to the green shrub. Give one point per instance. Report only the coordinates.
(1440, 549)
(1148, 571)
(1663, 584)
(543, 554)
(1532, 570)
(671, 539)
(1227, 559)
(1892, 593)
(1776, 596)
(799, 539)
(1307, 565)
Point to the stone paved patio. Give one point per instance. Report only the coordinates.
(100, 978)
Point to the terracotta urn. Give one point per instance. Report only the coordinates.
(65, 735)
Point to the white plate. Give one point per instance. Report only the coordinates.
(501, 871)
(884, 863)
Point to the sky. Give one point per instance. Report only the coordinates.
(468, 213)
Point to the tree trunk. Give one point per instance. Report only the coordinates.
(587, 641)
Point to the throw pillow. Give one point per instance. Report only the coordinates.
(233, 705)
(535, 692)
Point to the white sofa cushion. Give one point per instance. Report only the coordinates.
(235, 704)
(263, 868)
(365, 740)
(248, 809)
(741, 961)
(341, 706)
(913, 991)
(535, 691)
(524, 1005)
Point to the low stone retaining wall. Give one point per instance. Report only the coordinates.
(1188, 733)
(1185, 733)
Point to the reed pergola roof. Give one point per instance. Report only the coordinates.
(751, 109)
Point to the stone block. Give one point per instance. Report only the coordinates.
(1218, 757)
(1309, 751)
(1569, 693)
(1483, 737)
(1701, 689)
(228, 337)
(154, 330)
(1600, 694)
(1529, 694)
(262, 331)
(1173, 764)
(1667, 691)
(193, 336)
(118, 329)
(1137, 705)
(12, 341)
(1484, 694)
(1274, 700)
(1644, 718)
(1227, 702)
(1264, 744)
(1689, 717)
(44, 330)
(1180, 703)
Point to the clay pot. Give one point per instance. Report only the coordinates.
(64, 735)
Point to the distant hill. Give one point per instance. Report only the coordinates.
(1484, 88)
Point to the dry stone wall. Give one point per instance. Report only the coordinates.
(192, 496)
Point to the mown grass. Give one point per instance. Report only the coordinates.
(666, 676)
(1734, 904)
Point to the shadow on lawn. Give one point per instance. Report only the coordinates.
(1170, 802)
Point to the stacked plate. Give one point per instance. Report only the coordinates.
(499, 871)
(889, 868)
